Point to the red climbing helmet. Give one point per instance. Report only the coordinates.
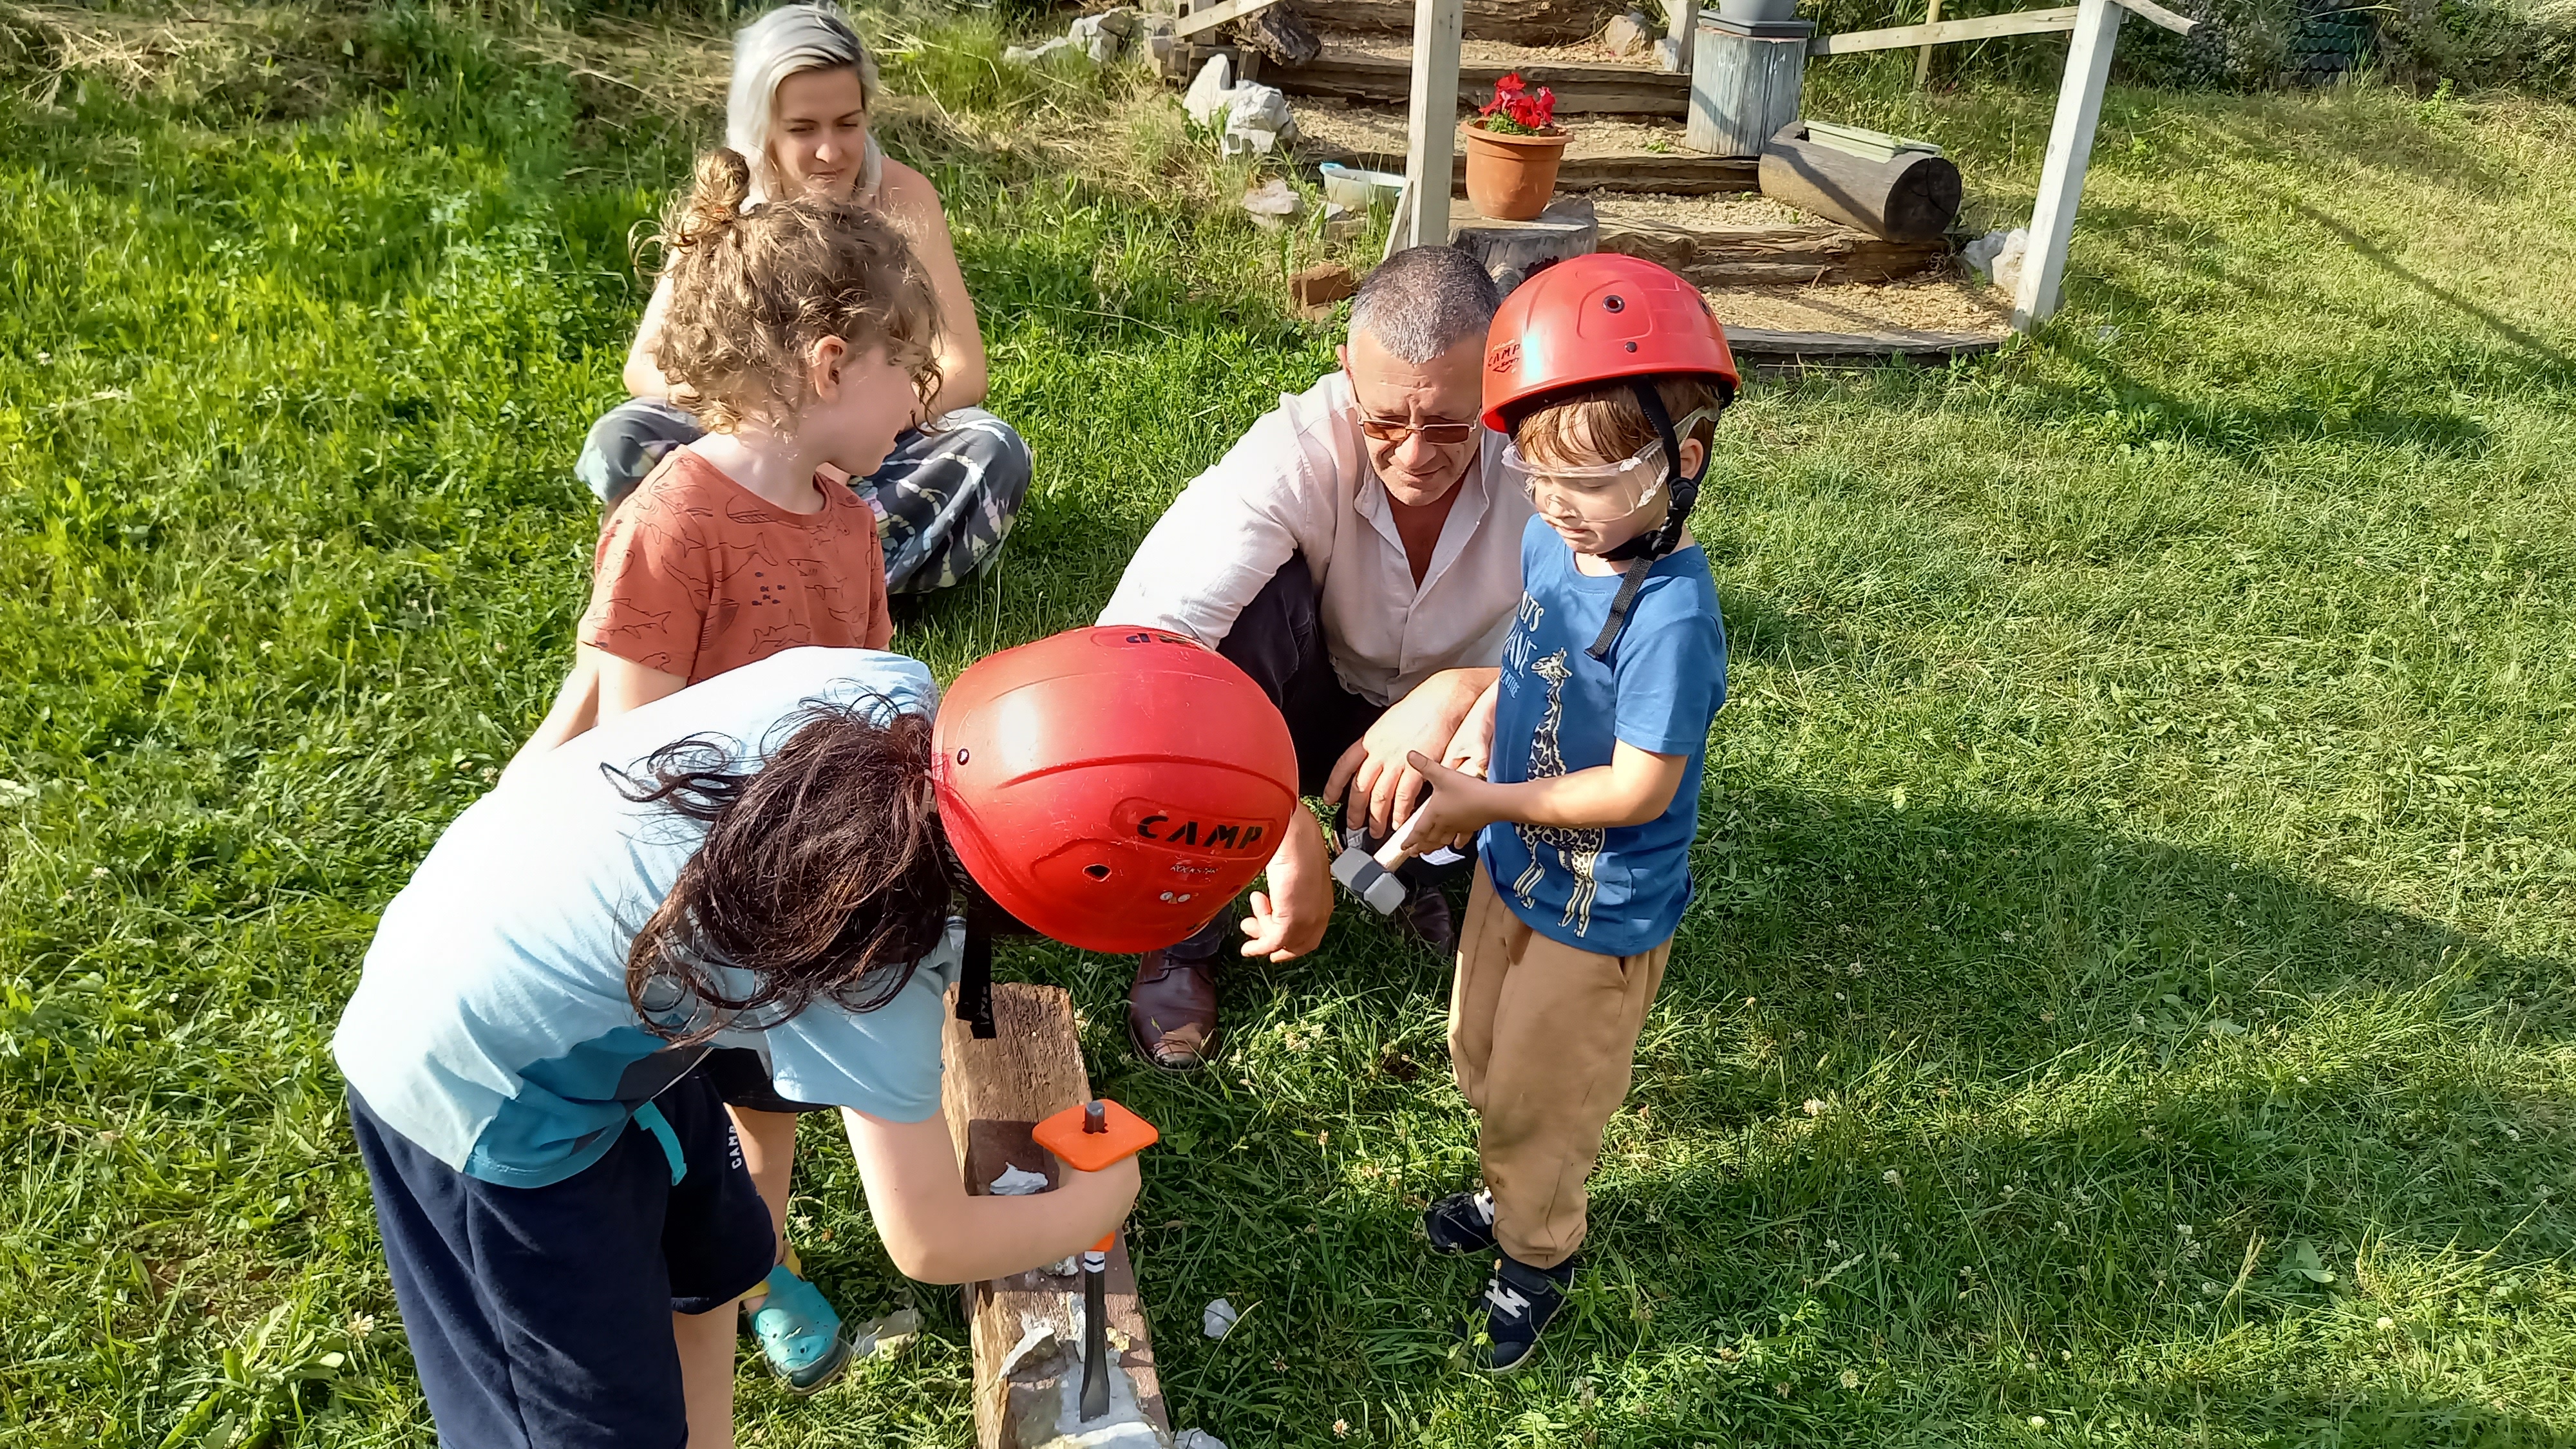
(1594, 318)
(1112, 788)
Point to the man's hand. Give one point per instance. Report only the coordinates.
(1471, 749)
(1380, 785)
(1288, 920)
(1460, 805)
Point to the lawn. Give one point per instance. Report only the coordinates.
(2127, 998)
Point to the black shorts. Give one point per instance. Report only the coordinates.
(742, 1079)
(541, 1316)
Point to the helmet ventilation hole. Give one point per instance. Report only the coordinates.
(1096, 872)
(961, 754)
(1632, 347)
(1614, 303)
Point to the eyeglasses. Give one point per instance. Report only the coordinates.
(1599, 492)
(1440, 433)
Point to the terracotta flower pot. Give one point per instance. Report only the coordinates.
(1510, 178)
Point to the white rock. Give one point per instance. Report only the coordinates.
(1631, 33)
(1668, 55)
(1101, 35)
(1014, 1182)
(1207, 92)
(1271, 203)
(1037, 54)
(1196, 1439)
(1218, 1320)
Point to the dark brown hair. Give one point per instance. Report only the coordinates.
(1604, 424)
(753, 291)
(823, 875)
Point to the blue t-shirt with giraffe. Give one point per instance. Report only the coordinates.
(1620, 891)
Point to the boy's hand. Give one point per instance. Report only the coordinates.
(1459, 806)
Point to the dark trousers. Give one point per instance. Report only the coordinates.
(1278, 639)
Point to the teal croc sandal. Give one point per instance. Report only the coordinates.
(799, 1333)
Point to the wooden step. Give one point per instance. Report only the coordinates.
(1758, 255)
(1774, 351)
(1604, 155)
(1587, 79)
(1516, 22)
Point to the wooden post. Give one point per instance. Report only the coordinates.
(1682, 17)
(993, 1093)
(1923, 57)
(2070, 151)
(1431, 136)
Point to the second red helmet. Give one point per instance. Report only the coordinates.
(1594, 319)
(1112, 788)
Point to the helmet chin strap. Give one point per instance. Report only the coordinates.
(1660, 540)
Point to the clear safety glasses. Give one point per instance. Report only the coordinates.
(1598, 492)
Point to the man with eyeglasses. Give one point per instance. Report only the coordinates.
(1358, 554)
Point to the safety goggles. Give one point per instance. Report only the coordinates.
(1599, 492)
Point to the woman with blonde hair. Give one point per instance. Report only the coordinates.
(804, 89)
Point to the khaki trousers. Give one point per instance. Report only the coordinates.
(1542, 1036)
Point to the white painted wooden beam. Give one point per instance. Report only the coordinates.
(1983, 27)
(1216, 15)
(2150, 10)
(2070, 151)
(1431, 133)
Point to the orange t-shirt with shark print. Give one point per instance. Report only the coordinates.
(697, 575)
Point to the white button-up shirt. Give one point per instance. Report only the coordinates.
(1300, 482)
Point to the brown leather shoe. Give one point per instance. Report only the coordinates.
(1171, 1011)
(1426, 917)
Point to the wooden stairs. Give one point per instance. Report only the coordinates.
(1701, 215)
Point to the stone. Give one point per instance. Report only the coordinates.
(1207, 91)
(1668, 55)
(1315, 290)
(1343, 221)
(1631, 33)
(1094, 33)
(1271, 204)
(1256, 116)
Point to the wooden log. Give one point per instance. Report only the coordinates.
(1947, 32)
(1511, 250)
(1777, 350)
(1743, 88)
(993, 1092)
(1914, 197)
(1280, 35)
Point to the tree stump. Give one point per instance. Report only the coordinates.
(1511, 250)
(1025, 1328)
(1744, 88)
(1279, 34)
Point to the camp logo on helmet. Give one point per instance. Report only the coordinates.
(1152, 636)
(1181, 829)
(1505, 357)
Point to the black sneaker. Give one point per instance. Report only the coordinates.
(1462, 1222)
(1519, 1301)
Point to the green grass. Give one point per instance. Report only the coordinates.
(2147, 797)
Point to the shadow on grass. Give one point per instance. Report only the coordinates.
(2062, 1042)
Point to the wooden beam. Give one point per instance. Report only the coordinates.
(2070, 152)
(1923, 57)
(1216, 15)
(993, 1092)
(1432, 124)
(2151, 11)
(1983, 27)
(1877, 346)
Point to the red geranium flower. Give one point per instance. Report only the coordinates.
(1516, 110)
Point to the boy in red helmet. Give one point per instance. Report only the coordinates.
(1609, 374)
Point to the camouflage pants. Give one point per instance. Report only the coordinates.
(945, 498)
